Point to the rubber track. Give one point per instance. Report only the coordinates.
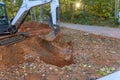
(12, 39)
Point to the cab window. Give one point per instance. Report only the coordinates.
(3, 17)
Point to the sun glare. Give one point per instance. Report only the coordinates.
(77, 5)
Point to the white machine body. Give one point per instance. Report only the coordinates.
(28, 4)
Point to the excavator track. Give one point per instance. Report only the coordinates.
(14, 38)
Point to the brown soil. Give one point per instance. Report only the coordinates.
(55, 52)
(35, 59)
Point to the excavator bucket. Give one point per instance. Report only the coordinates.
(49, 37)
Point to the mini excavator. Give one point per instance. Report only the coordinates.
(9, 33)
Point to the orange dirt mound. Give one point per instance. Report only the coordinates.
(56, 52)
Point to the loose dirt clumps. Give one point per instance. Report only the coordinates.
(94, 56)
(11, 55)
(55, 52)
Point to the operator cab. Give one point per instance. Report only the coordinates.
(3, 18)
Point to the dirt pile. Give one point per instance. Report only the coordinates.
(35, 28)
(56, 52)
(94, 56)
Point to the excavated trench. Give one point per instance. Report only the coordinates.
(55, 52)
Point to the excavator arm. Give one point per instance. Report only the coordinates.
(25, 8)
(9, 32)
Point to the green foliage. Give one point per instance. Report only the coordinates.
(91, 12)
(12, 7)
(100, 8)
(106, 70)
(67, 16)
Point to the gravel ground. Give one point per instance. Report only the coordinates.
(94, 56)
